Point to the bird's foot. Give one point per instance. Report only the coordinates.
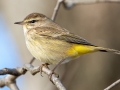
(43, 65)
(50, 76)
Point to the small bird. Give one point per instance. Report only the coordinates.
(52, 44)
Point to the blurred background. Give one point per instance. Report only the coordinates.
(98, 23)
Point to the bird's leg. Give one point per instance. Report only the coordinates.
(46, 65)
(50, 75)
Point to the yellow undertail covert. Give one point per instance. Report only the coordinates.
(79, 49)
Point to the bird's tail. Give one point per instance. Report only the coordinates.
(101, 49)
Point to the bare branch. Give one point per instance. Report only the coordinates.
(14, 71)
(113, 85)
(10, 80)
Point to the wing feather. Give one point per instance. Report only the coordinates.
(61, 34)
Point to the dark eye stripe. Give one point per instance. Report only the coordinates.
(32, 21)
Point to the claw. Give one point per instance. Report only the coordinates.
(50, 76)
(43, 65)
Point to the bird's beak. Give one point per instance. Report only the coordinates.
(20, 23)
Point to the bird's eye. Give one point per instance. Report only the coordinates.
(32, 21)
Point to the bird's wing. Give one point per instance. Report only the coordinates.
(62, 34)
(71, 38)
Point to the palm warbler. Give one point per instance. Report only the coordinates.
(50, 43)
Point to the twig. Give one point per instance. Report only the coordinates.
(56, 9)
(10, 80)
(32, 60)
(113, 85)
(70, 3)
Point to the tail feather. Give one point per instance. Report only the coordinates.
(107, 50)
